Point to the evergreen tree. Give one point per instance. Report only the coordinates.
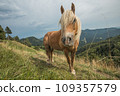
(16, 38)
(9, 37)
(8, 31)
(2, 33)
(27, 42)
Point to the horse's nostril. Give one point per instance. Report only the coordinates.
(69, 38)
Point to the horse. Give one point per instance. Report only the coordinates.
(66, 39)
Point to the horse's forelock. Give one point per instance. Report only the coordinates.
(66, 18)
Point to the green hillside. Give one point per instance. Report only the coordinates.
(33, 40)
(18, 61)
(99, 34)
(108, 49)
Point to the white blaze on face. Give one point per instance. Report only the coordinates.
(69, 34)
(69, 38)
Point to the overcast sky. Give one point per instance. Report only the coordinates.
(37, 17)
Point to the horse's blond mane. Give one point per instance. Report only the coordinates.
(67, 18)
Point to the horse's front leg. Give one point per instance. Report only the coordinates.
(72, 62)
(68, 58)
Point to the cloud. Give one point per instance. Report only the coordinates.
(99, 13)
(50, 28)
(10, 10)
(31, 17)
(37, 23)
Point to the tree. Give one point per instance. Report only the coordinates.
(8, 31)
(16, 38)
(9, 37)
(26, 42)
(2, 33)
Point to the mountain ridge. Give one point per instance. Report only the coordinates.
(33, 40)
(87, 36)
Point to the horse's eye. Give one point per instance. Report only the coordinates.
(74, 20)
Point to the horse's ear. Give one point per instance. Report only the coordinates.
(73, 8)
(62, 9)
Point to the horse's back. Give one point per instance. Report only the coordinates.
(52, 39)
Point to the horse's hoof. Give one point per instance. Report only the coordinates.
(48, 63)
(73, 72)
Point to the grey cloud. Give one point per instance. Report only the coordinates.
(10, 10)
(41, 16)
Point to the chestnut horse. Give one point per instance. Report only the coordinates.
(66, 39)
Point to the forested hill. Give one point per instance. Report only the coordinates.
(105, 48)
(87, 36)
(32, 40)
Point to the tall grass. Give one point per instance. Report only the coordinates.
(18, 61)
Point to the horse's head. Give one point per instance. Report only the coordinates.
(69, 26)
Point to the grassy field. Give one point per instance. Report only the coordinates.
(18, 61)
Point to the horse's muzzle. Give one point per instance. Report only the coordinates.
(67, 41)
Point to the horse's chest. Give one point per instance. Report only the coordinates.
(56, 46)
(54, 43)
